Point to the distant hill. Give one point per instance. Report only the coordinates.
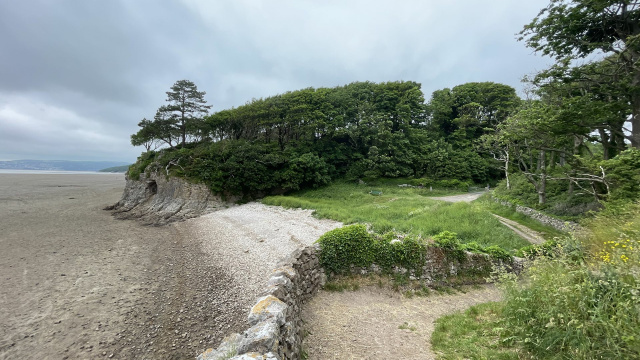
(59, 165)
(116, 169)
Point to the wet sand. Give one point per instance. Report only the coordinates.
(76, 283)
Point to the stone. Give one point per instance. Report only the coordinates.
(262, 337)
(227, 348)
(256, 356)
(268, 307)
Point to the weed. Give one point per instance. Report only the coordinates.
(406, 326)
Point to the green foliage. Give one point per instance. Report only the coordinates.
(549, 249)
(448, 241)
(353, 246)
(307, 170)
(464, 113)
(624, 173)
(559, 203)
(582, 307)
(345, 247)
(140, 166)
(306, 138)
(403, 210)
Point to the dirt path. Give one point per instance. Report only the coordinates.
(524, 232)
(374, 323)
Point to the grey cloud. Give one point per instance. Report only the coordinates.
(98, 67)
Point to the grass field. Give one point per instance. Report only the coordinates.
(406, 210)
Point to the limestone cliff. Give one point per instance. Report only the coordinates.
(156, 199)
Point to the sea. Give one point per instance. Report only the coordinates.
(52, 172)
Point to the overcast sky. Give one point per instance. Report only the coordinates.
(76, 76)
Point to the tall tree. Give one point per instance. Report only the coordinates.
(571, 29)
(186, 108)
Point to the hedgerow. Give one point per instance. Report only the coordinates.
(352, 246)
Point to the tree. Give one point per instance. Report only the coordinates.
(467, 111)
(186, 109)
(572, 29)
(146, 136)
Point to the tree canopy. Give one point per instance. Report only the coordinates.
(569, 29)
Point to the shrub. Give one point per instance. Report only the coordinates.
(140, 166)
(345, 247)
(448, 241)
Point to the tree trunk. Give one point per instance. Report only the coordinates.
(635, 117)
(506, 170)
(542, 184)
(604, 138)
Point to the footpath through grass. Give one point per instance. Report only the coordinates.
(402, 209)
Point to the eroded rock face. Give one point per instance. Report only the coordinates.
(157, 200)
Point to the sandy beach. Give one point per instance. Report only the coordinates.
(76, 283)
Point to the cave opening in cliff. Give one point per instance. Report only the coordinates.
(152, 186)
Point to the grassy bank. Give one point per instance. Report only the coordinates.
(402, 209)
(580, 301)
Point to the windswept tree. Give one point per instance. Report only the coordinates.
(186, 109)
(572, 29)
(146, 136)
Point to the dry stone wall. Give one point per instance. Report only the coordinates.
(441, 268)
(275, 321)
(544, 219)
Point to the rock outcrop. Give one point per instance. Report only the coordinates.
(156, 199)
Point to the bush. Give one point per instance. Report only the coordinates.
(345, 247)
(352, 245)
(140, 166)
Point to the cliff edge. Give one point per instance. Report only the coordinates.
(158, 200)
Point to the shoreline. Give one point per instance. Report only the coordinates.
(53, 172)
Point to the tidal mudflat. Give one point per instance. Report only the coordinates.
(76, 283)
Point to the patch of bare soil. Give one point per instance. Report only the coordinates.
(458, 198)
(378, 323)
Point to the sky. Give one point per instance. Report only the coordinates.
(76, 76)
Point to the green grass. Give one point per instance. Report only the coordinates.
(406, 210)
(547, 232)
(474, 334)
